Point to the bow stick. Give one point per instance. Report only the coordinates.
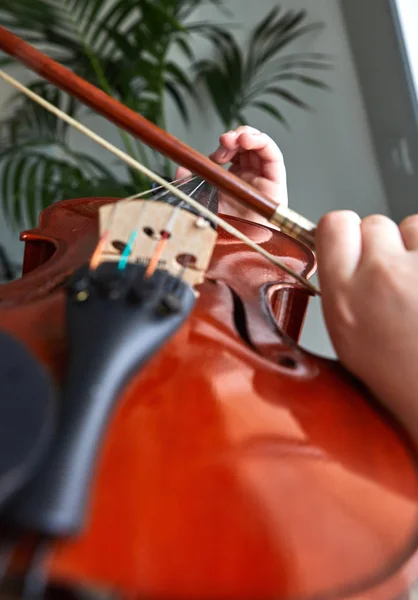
(288, 220)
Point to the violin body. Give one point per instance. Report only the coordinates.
(235, 465)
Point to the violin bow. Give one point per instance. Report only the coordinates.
(286, 219)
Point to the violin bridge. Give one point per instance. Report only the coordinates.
(188, 248)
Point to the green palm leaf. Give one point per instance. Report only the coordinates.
(272, 110)
(37, 164)
(124, 47)
(236, 81)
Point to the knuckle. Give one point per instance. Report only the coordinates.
(377, 221)
(337, 217)
(273, 147)
(246, 129)
(409, 222)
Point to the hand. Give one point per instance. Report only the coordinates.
(257, 160)
(368, 271)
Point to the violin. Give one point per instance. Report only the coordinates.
(162, 433)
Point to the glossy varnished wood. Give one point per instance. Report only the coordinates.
(236, 464)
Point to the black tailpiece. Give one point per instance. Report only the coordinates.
(116, 321)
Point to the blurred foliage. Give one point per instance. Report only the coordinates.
(125, 47)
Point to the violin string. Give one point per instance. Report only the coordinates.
(95, 259)
(155, 177)
(161, 244)
(165, 236)
(123, 261)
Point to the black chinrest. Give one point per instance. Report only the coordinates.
(27, 415)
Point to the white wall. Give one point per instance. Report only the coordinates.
(328, 153)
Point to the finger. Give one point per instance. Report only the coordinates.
(380, 235)
(222, 155)
(409, 232)
(244, 161)
(271, 189)
(229, 139)
(270, 158)
(255, 162)
(268, 152)
(266, 149)
(338, 246)
(229, 144)
(182, 172)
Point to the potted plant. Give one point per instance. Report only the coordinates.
(124, 47)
